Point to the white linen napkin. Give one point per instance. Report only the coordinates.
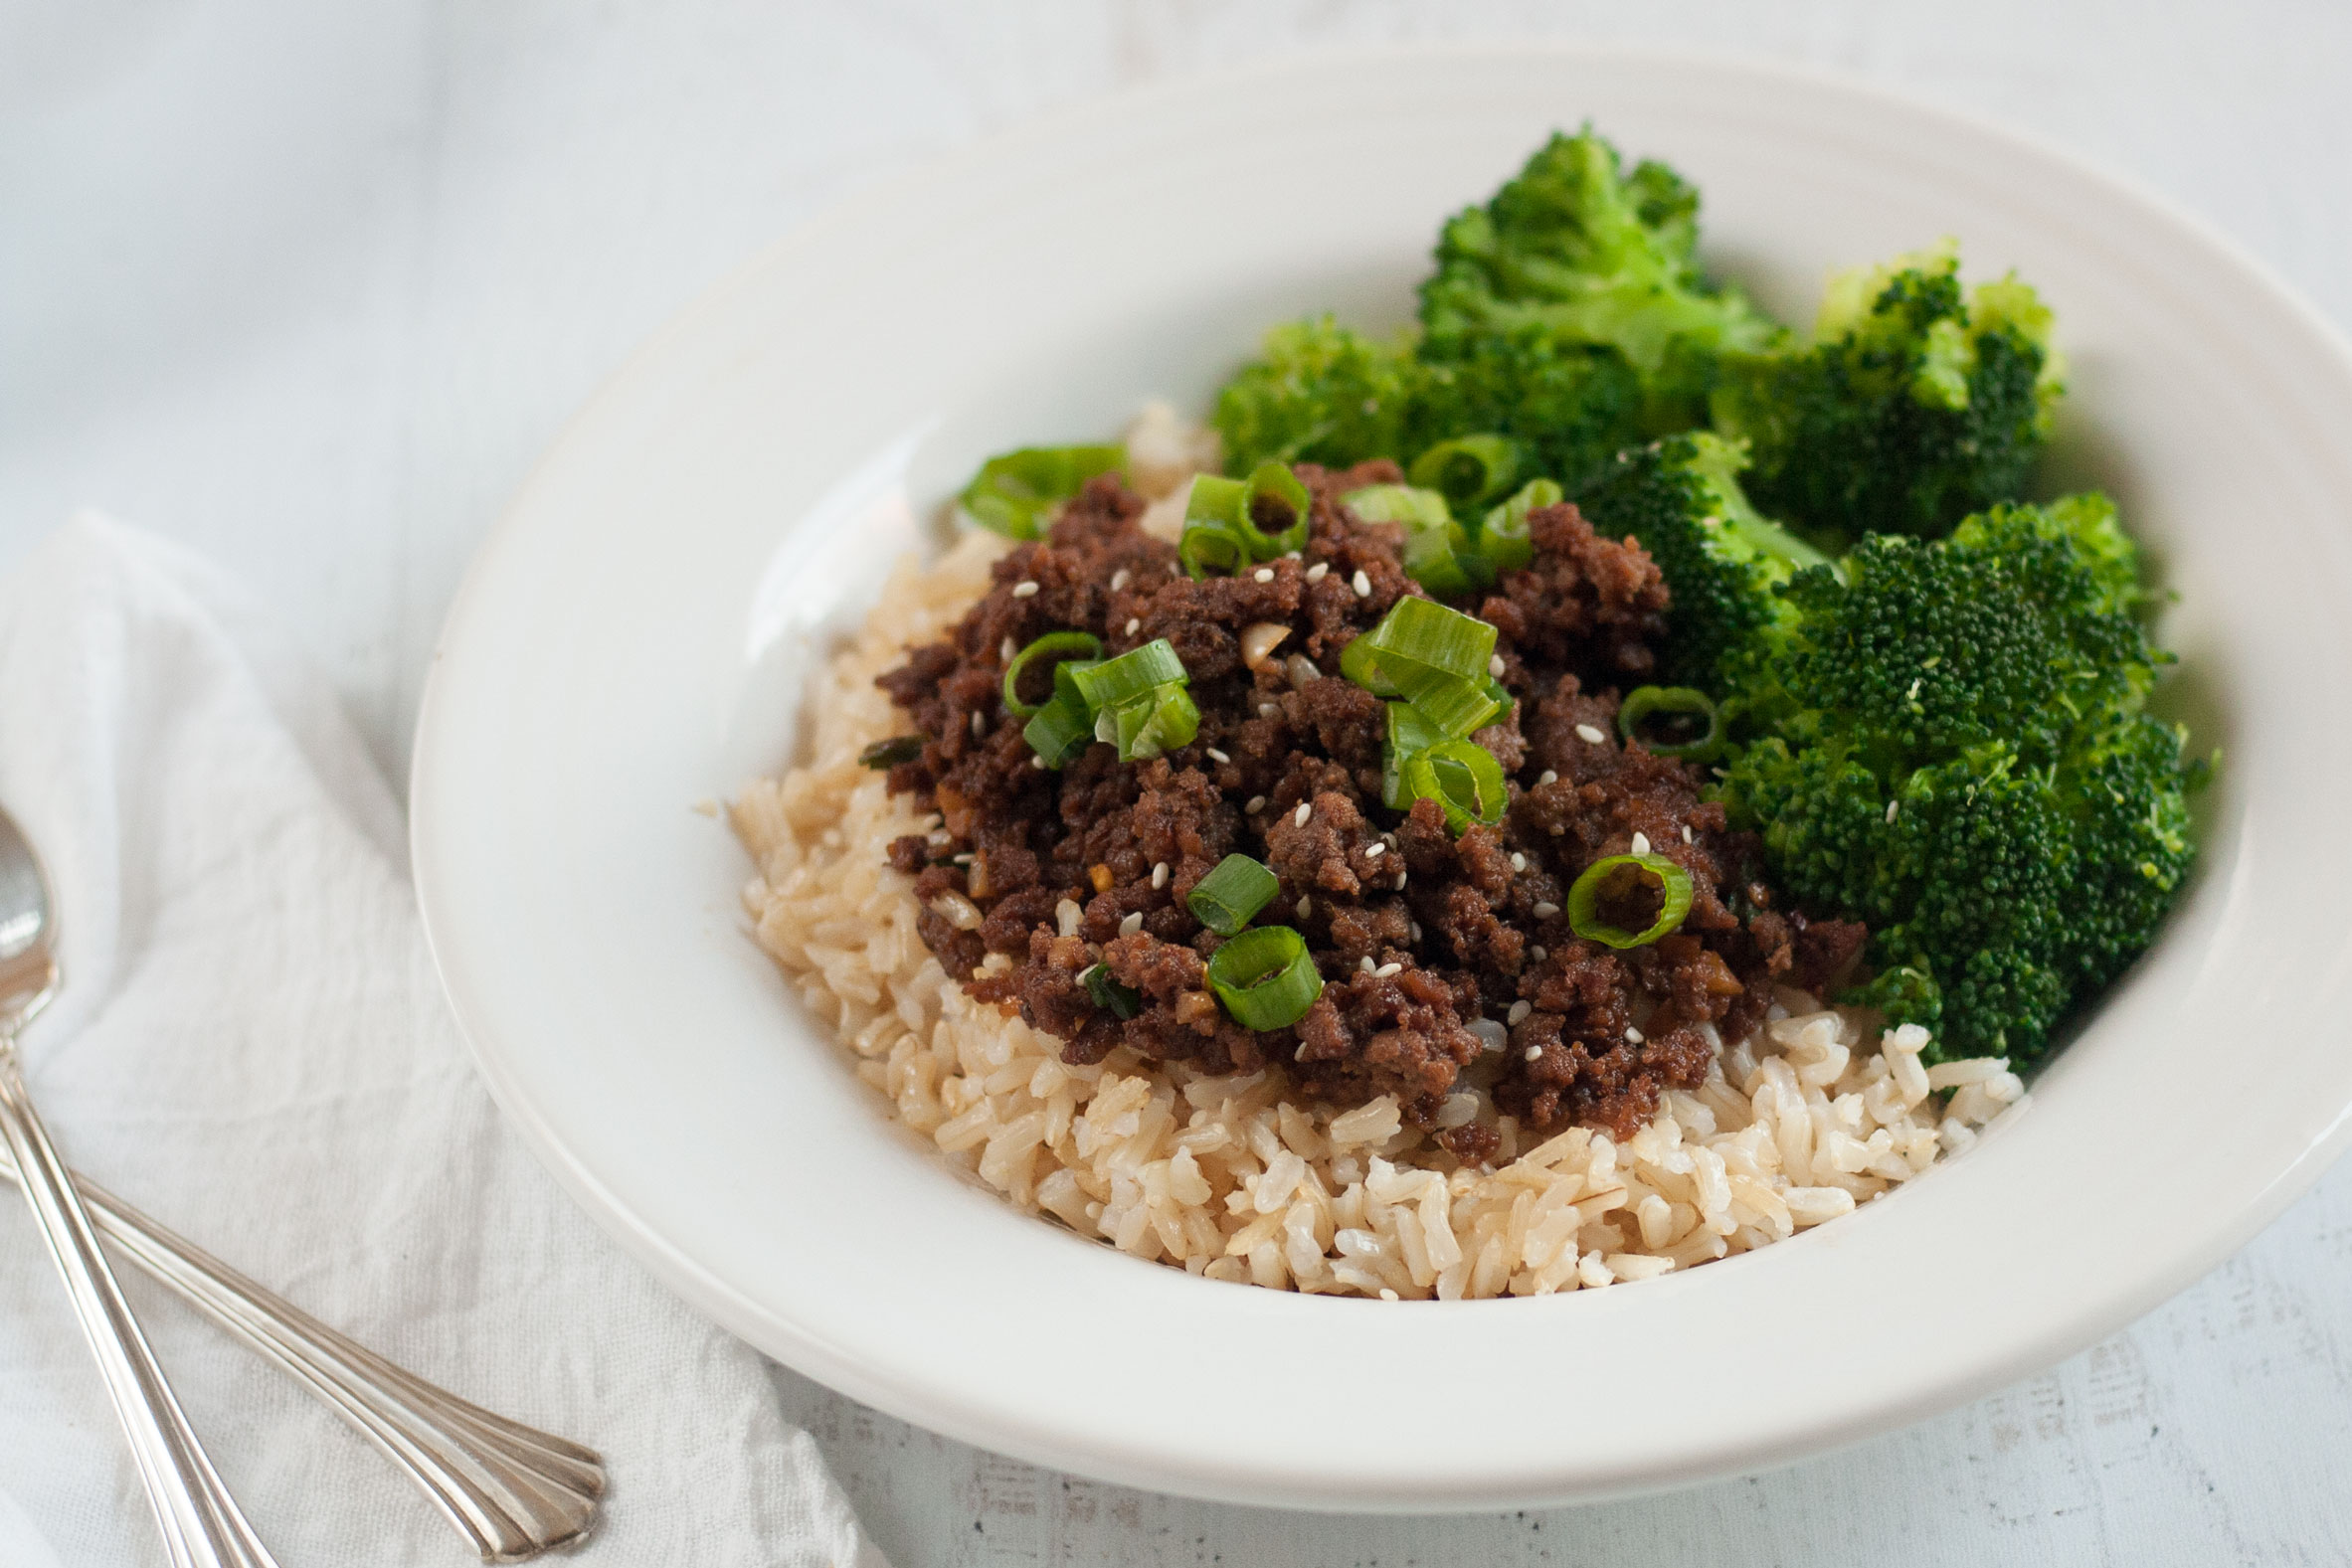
(252, 1047)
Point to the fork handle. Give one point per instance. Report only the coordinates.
(202, 1527)
(511, 1490)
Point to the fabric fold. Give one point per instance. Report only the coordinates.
(252, 1045)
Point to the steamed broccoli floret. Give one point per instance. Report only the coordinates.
(1323, 393)
(1721, 558)
(1914, 406)
(1582, 253)
(1568, 313)
(1959, 753)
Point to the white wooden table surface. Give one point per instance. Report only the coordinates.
(307, 284)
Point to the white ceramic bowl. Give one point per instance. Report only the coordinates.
(632, 639)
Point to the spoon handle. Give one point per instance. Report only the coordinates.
(202, 1527)
(511, 1490)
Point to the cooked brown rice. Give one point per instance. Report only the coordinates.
(1222, 1176)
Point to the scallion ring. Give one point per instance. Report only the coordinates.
(1067, 644)
(1014, 492)
(1584, 896)
(1230, 895)
(1144, 726)
(889, 754)
(1434, 657)
(1680, 706)
(1470, 470)
(1503, 541)
(1131, 674)
(1060, 731)
(1211, 546)
(1109, 992)
(1265, 977)
(1464, 780)
(1440, 559)
(1409, 735)
(1408, 504)
(1272, 488)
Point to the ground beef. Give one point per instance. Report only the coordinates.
(1418, 931)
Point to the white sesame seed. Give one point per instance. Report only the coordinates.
(1538, 952)
(1400, 884)
(1264, 574)
(1037, 763)
(1519, 862)
(1375, 852)
(1009, 652)
(1687, 838)
(978, 724)
(1267, 710)
(1589, 735)
(963, 859)
(1387, 969)
(1133, 624)
(1257, 804)
(1160, 875)
(1024, 590)
(1890, 806)
(1299, 817)
(1640, 843)
(1364, 964)
(1633, 1034)
(1495, 665)
(1305, 905)
(1362, 583)
(1294, 555)
(1534, 1052)
(1132, 924)
(1519, 1013)
(1217, 756)
(1547, 777)
(1118, 579)
(1545, 910)
(1416, 925)
(1318, 571)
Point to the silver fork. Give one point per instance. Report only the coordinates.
(513, 1491)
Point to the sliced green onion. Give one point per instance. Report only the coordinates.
(1060, 731)
(1225, 900)
(1109, 992)
(1584, 896)
(1265, 977)
(1410, 505)
(1434, 657)
(1208, 547)
(1013, 492)
(1673, 703)
(1503, 540)
(889, 754)
(1274, 488)
(1470, 470)
(1213, 498)
(1463, 778)
(1144, 726)
(1409, 735)
(1440, 559)
(1084, 645)
(1131, 674)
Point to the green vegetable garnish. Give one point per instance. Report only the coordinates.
(1014, 492)
(1503, 541)
(1109, 992)
(1265, 977)
(1677, 703)
(1434, 657)
(1083, 645)
(1144, 726)
(889, 754)
(1584, 896)
(1469, 471)
(1060, 732)
(1231, 894)
(1463, 778)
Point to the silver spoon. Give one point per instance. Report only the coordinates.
(202, 1527)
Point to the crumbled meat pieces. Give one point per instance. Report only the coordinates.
(1417, 931)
